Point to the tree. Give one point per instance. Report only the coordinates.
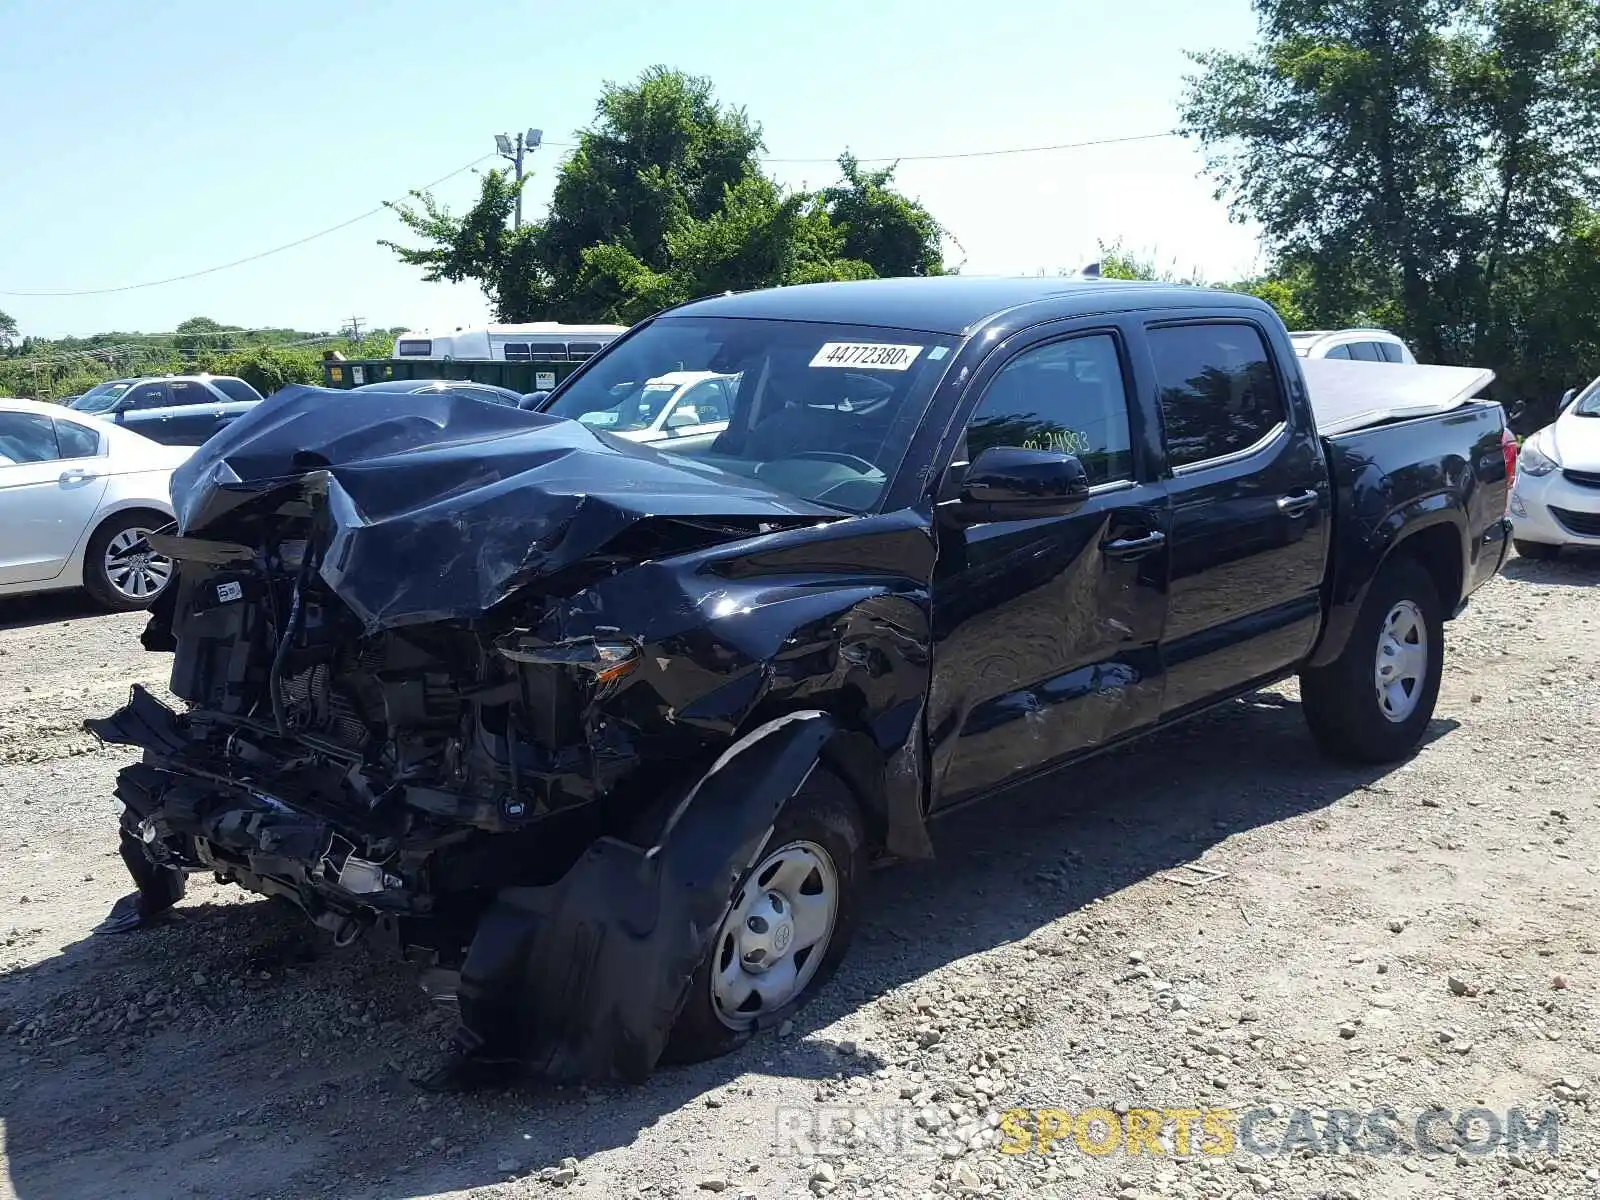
(8, 331)
(664, 200)
(1406, 158)
(198, 334)
(480, 246)
(891, 233)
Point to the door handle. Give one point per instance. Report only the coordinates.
(1293, 506)
(75, 475)
(1135, 547)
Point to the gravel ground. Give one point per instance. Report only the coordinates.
(1417, 938)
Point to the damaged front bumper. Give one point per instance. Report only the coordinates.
(580, 978)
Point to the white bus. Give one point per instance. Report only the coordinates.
(537, 341)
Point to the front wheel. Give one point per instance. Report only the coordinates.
(119, 569)
(788, 928)
(1372, 703)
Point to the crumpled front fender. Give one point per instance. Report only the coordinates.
(584, 978)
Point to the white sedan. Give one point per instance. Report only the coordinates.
(1556, 501)
(675, 405)
(77, 498)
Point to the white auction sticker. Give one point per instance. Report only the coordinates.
(873, 356)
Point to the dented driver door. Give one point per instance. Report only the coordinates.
(1047, 630)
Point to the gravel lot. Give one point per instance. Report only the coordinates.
(1415, 938)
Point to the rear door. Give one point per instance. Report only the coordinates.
(46, 502)
(1251, 501)
(1047, 630)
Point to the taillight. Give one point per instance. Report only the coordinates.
(1509, 449)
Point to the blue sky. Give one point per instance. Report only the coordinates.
(145, 140)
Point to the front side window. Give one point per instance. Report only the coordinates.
(1219, 393)
(483, 394)
(27, 438)
(150, 395)
(1066, 396)
(708, 401)
(1588, 402)
(818, 410)
(1366, 351)
(77, 441)
(1390, 351)
(1340, 351)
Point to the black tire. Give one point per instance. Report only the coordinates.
(823, 812)
(1341, 702)
(97, 582)
(1540, 550)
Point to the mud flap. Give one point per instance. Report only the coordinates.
(583, 979)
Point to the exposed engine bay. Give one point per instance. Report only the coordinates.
(425, 713)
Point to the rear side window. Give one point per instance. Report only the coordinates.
(236, 389)
(1390, 352)
(1065, 396)
(1219, 393)
(1366, 351)
(77, 441)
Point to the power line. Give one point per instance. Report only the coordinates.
(239, 262)
(372, 212)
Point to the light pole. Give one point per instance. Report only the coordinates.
(513, 151)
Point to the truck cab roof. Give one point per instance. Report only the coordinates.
(956, 304)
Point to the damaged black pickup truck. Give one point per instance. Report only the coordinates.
(606, 730)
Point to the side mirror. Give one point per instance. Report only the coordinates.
(1010, 483)
(533, 399)
(1567, 397)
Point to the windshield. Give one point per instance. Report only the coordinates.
(101, 398)
(820, 411)
(1588, 402)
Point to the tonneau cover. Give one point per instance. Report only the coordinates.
(1348, 395)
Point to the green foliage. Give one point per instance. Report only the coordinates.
(1118, 262)
(1427, 165)
(8, 331)
(664, 200)
(54, 370)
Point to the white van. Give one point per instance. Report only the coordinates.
(536, 341)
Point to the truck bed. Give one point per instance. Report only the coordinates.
(1348, 395)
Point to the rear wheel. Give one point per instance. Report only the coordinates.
(1541, 550)
(788, 928)
(119, 570)
(1372, 703)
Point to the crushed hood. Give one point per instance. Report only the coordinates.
(441, 506)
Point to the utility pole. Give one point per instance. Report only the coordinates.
(355, 328)
(513, 150)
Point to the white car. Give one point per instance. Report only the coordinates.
(1556, 500)
(1364, 345)
(77, 498)
(677, 404)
